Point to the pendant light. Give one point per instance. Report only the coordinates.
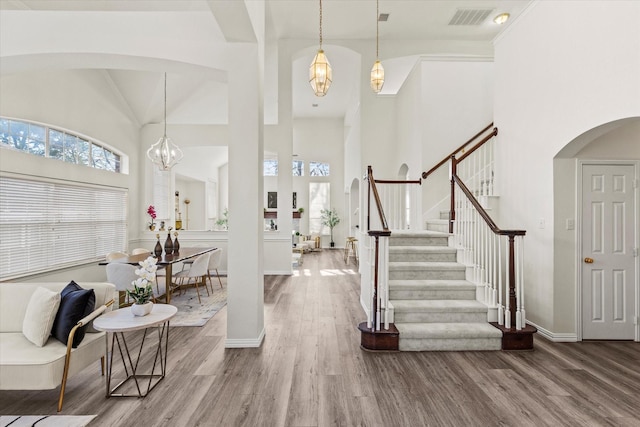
(164, 153)
(377, 71)
(320, 73)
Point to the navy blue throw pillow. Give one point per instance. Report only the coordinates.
(75, 303)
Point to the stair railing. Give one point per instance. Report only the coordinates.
(482, 245)
(378, 258)
(495, 256)
(398, 199)
(477, 171)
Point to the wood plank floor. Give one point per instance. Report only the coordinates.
(310, 371)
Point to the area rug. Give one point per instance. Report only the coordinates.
(191, 312)
(45, 420)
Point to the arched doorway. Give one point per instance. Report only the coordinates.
(596, 199)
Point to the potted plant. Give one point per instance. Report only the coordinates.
(151, 211)
(330, 218)
(223, 222)
(142, 292)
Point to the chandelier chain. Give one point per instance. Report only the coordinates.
(377, 26)
(165, 103)
(320, 24)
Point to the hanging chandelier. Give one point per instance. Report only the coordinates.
(320, 73)
(377, 71)
(164, 153)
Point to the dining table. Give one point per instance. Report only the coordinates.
(165, 261)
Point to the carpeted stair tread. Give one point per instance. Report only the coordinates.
(448, 331)
(420, 233)
(425, 265)
(459, 306)
(427, 284)
(422, 249)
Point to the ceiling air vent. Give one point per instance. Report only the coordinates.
(383, 17)
(470, 16)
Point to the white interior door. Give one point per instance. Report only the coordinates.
(608, 272)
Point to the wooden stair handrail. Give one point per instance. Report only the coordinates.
(446, 159)
(479, 144)
(511, 234)
(374, 189)
(390, 181)
(483, 213)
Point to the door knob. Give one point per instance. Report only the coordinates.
(588, 260)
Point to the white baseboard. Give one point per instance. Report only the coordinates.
(554, 336)
(278, 273)
(245, 343)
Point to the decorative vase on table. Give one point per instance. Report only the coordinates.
(168, 245)
(176, 244)
(140, 310)
(157, 251)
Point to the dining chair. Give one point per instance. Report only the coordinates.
(111, 256)
(198, 273)
(214, 262)
(122, 276)
(187, 262)
(138, 251)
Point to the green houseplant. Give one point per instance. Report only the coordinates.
(330, 218)
(223, 222)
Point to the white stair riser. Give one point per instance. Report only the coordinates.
(439, 317)
(437, 226)
(428, 294)
(447, 344)
(419, 241)
(421, 257)
(426, 274)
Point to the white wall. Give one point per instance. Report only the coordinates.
(562, 69)
(457, 102)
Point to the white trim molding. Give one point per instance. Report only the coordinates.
(245, 342)
(553, 336)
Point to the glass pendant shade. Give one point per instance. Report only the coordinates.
(320, 74)
(164, 153)
(377, 76)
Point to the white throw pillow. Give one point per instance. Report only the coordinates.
(40, 314)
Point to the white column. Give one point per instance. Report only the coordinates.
(245, 300)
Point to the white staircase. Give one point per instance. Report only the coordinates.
(435, 308)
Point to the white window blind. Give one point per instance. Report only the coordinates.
(47, 225)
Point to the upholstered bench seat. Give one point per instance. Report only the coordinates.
(23, 366)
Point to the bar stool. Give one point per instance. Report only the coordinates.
(351, 248)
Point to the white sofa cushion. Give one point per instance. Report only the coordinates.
(14, 298)
(23, 366)
(40, 315)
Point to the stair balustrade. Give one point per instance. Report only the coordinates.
(377, 258)
(495, 256)
(477, 171)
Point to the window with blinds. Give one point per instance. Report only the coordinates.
(47, 225)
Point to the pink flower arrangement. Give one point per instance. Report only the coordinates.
(151, 211)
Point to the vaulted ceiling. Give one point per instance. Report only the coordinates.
(174, 29)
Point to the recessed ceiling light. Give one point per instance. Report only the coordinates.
(502, 18)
